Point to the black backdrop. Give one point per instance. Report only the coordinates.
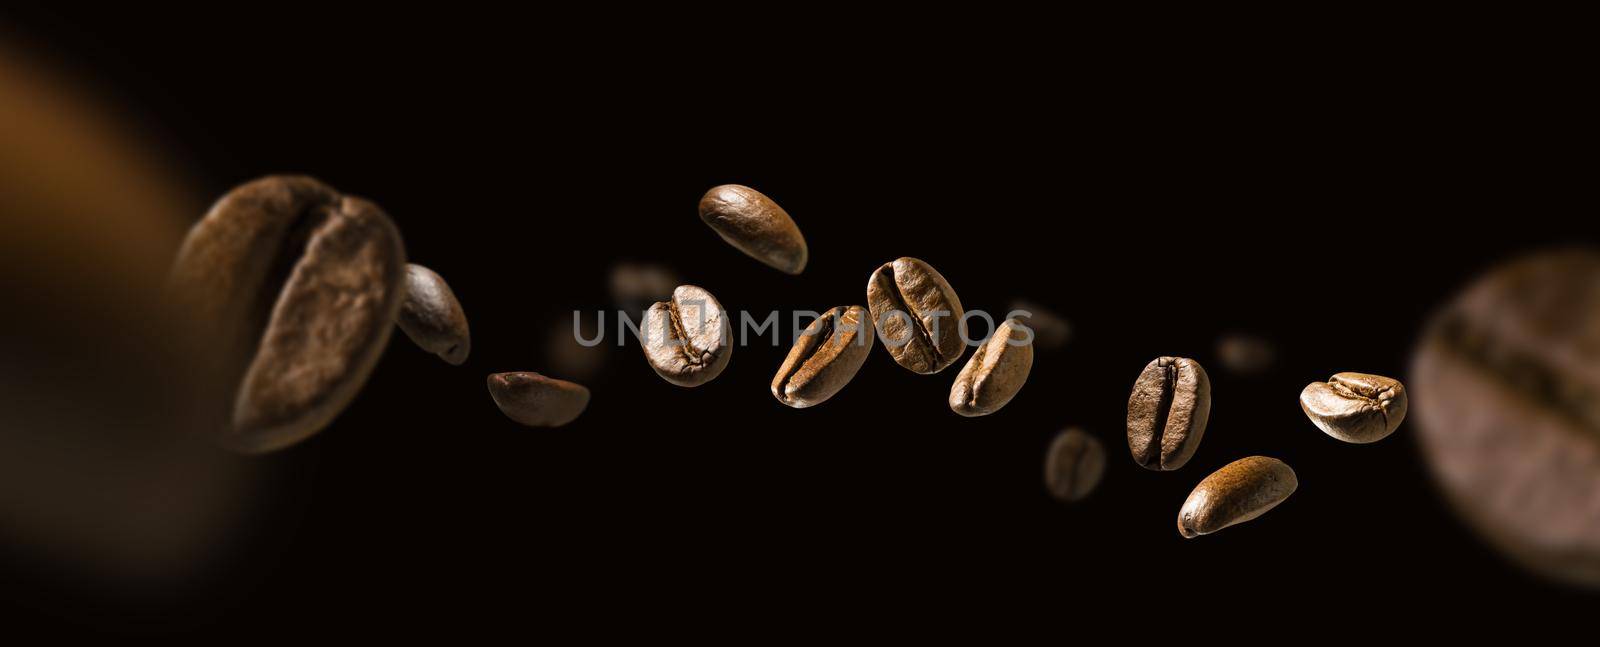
(1155, 206)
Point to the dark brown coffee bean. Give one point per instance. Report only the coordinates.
(537, 401)
(689, 339)
(1074, 464)
(918, 316)
(1355, 407)
(431, 316)
(1240, 491)
(565, 348)
(301, 285)
(1050, 330)
(1506, 383)
(824, 358)
(995, 373)
(755, 225)
(1246, 355)
(1167, 412)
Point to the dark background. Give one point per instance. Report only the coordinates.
(1325, 202)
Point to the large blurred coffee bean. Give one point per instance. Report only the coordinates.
(1506, 390)
(107, 477)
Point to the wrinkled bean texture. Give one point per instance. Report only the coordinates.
(1167, 412)
(537, 401)
(755, 225)
(300, 286)
(918, 315)
(432, 317)
(995, 373)
(1242, 490)
(825, 357)
(1356, 407)
(687, 340)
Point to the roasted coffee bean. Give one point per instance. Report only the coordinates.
(1355, 407)
(537, 401)
(431, 316)
(1506, 383)
(1246, 355)
(1167, 412)
(565, 339)
(301, 286)
(1050, 330)
(755, 225)
(995, 373)
(634, 286)
(1240, 491)
(1074, 465)
(687, 340)
(918, 316)
(824, 358)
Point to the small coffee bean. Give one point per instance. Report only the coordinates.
(918, 316)
(995, 373)
(634, 286)
(300, 286)
(1167, 412)
(1246, 355)
(432, 317)
(537, 401)
(1506, 382)
(1074, 464)
(1240, 491)
(687, 340)
(1050, 330)
(824, 358)
(1355, 407)
(755, 225)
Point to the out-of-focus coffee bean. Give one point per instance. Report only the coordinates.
(1073, 465)
(1245, 355)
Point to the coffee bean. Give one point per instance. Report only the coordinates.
(687, 340)
(537, 401)
(634, 286)
(1167, 412)
(1355, 407)
(570, 357)
(431, 316)
(1246, 355)
(301, 286)
(995, 373)
(824, 358)
(1050, 330)
(1506, 382)
(1240, 491)
(918, 316)
(1074, 464)
(755, 225)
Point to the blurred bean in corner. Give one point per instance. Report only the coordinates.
(107, 477)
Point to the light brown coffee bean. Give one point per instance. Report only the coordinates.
(1355, 407)
(755, 225)
(687, 340)
(1506, 387)
(1167, 412)
(1074, 464)
(634, 286)
(824, 358)
(1240, 491)
(995, 373)
(301, 285)
(918, 315)
(432, 317)
(537, 401)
